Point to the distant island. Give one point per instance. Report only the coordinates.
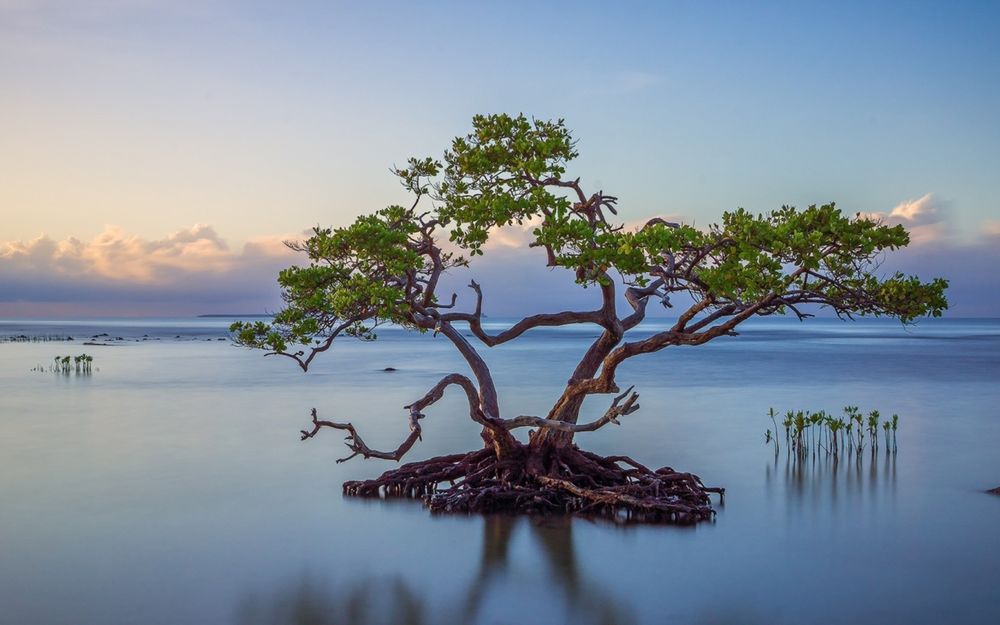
(265, 316)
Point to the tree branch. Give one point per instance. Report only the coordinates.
(474, 320)
(617, 409)
(323, 346)
(357, 445)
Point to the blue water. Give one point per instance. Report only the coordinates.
(170, 485)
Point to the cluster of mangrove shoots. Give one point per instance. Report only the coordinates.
(808, 433)
(80, 365)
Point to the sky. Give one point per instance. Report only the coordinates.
(154, 154)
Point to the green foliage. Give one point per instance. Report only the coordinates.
(808, 433)
(492, 176)
(512, 170)
(81, 364)
(355, 275)
(821, 249)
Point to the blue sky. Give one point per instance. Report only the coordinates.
(126, 123)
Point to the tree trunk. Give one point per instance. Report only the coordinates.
(502, 442)
(566, 410)
(568, 407)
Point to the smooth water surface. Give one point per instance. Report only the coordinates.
(170, 486)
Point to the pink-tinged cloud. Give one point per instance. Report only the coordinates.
(923, 217)
(519, 236)
(192, 270)
(991, 230)
(918, 212)
(117, 256)
(195, 271)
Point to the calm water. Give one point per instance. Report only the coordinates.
(171, 486)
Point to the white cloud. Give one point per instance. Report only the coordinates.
(513, 236)
(919, 212)
(923, 217)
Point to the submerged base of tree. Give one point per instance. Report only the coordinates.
(616, 488)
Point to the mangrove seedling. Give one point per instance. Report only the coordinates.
(810, 432)
(81, 364)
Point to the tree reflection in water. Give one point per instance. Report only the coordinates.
(377, 600)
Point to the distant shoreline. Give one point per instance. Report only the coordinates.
(235, 315)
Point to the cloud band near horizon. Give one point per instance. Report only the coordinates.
(195, 271)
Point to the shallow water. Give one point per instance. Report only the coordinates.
(171, 487)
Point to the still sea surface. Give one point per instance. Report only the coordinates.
(170, 485)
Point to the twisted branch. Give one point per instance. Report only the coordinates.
(357, 445)
(617, 409)
(475, 319)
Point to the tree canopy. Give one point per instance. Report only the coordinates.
(385, 266)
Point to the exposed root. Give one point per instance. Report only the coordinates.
(566, 481)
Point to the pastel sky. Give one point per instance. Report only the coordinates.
(153, 154)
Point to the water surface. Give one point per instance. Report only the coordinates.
(171, 487)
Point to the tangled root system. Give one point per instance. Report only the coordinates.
(567, 481)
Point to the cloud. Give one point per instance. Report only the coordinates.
(195, 271)
(923, 217)
(192, 268)
(974, 284)
(516, 282)
(520, 236)
(919, 212)
(115, 256)
(991, 230)
(514, 236)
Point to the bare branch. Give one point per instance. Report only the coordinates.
(618, 409)
(474, 320)
(638, 299)
(357, 445)
(437, 391)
